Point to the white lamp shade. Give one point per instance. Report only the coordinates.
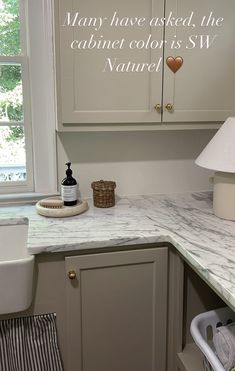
(219, 154)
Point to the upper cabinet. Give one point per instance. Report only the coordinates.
(111, 62)
(204, 88)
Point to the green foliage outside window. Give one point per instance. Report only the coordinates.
(11, 100)
(9, 27)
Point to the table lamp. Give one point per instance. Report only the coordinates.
(219, 155)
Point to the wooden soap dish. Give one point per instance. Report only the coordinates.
(59, 210)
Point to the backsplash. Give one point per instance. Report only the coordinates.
(139, 162)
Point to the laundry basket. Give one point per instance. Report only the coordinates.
(204, 325)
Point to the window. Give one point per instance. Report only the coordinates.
(16, 173)
(27, 99)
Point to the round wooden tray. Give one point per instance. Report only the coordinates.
(62, 212)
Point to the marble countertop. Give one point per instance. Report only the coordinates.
(186, 221)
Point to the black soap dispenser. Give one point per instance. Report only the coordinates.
(69, 188)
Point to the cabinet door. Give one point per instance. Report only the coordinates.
(204, 88)
(116, 311)
(87, 93)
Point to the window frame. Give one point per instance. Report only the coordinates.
(22, 60)
(39, 89)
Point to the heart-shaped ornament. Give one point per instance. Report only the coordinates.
(174, 63)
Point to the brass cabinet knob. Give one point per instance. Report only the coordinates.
(72, 275)
(169, 107)
(158, 108)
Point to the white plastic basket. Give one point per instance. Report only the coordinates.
(205, 324)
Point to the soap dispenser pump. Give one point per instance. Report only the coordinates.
(69, 188)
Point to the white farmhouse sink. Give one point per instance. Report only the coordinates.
(16, 266)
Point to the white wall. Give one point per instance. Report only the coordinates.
(139, 162)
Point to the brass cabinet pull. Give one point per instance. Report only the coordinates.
(72, 275)
(169, 107)
(158, 108)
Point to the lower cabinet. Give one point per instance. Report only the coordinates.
(116, 316)
(124, 310)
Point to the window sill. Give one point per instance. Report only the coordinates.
(24, 198)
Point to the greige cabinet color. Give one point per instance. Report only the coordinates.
(92, 95)
(90, 91)
(204, 88)
(117, 311)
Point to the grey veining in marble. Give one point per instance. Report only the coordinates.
(14, 221)
(186, 221)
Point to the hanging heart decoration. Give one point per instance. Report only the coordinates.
(174, 63)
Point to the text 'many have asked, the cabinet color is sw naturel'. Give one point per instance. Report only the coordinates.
(111, 62)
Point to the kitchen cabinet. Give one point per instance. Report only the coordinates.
(89, 95)
(201, 91)
(114, 315)
(117, 311)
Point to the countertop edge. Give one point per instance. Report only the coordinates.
(207, 276)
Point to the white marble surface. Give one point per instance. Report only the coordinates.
(186, 221)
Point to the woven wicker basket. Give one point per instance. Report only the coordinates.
(103, 193)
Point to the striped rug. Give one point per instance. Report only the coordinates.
(29, 344)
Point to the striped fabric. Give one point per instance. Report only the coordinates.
(29, 344)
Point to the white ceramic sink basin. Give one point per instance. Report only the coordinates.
(16, 266)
